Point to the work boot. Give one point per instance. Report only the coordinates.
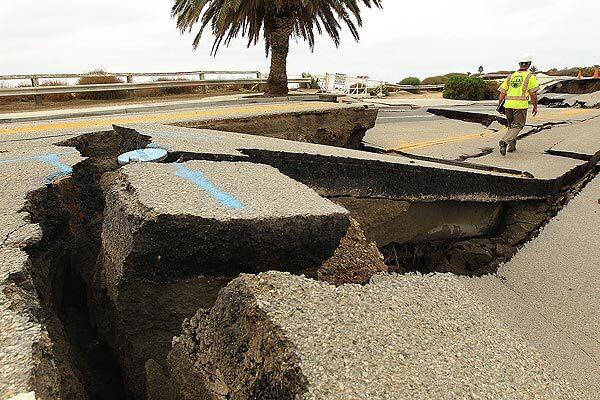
(512, 146)
(503, 145)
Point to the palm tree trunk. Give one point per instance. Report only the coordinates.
(277, 83)
(279, 30)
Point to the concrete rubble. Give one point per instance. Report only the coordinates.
(171, 240)
(588, 100)
(342, 126)
(336, 172)
(268, 250)
(33, 346)
(548, 292)
(277, 336)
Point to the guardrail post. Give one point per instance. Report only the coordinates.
(259, 76)
(203, 89)
(130, 80)
(35, 83)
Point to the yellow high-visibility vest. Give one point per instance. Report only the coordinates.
(518, 86)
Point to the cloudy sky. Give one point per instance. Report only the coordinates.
(419, 38)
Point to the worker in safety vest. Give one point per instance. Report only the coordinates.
(517, 89)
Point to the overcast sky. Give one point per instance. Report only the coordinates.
(419, 38)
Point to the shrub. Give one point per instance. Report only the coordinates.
(176, 90)
(411, 80)
(7, 99)
(435, 80)
(465, 88)
(313, 80)
(57, 96)
(374, 91)
(491, 90)
(451, 74)
(101, 78)
(16, 99)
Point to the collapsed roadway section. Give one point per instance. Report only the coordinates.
(121, 256)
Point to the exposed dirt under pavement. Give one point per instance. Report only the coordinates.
(522, 222)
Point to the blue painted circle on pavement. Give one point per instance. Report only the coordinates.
(143, 155)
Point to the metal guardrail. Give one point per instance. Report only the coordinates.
(38, 91)
(128, 74)
(41, 90)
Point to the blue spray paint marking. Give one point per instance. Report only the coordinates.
(200, 180)
(62, 169)
(51, 159)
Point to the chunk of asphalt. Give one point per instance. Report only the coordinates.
(335, 172)
(278, 336)
(175, 234)
(216, 218)
(548, 292)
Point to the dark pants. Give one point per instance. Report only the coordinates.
(516, 122)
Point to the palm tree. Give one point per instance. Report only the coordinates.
(279, 20)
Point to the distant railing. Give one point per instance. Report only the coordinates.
(415, 87)
(36, 90)
(363, 86)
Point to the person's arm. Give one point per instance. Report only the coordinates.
(533, 93)
(501, 97)
(534, 101)
(503, 89)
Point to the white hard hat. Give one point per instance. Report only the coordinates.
(526, 58)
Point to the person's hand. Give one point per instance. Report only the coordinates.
(535, 111)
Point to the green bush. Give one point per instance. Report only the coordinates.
(435, 80)
(465, 88)
(313, 80)
(451, 74)
(101, 78)
(491, 90)
(411, 80)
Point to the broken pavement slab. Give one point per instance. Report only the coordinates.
(578, 141)
(589, 100)
(277, 336)
(488, 114)
(536, 152)
(234, 209)
(306, 120)
(175, 234)
(335, 125)
(24, 342)
(549, 291)
(334, 172)
(574, 85)
(28, 359)
(419, 132)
